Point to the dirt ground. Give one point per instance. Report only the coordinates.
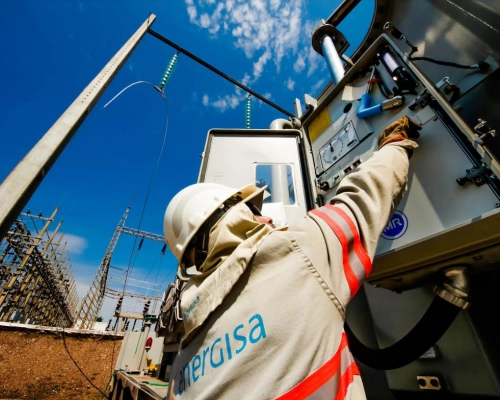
(36, 365)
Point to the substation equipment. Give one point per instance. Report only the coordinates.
(440, 252)
(37, 286)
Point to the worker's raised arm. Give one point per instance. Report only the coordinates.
(350, 226)
(374, 190)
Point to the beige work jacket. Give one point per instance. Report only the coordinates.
(265, 318)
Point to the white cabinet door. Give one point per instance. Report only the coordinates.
(238, 157)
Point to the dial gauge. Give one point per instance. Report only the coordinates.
(331, 151)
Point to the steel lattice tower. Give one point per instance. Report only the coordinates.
(92, 302)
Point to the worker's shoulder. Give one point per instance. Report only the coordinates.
(299, 233)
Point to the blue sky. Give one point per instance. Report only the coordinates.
(52, 49)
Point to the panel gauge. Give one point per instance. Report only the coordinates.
(338, 146)
(331, 151)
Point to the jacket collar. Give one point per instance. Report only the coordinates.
(232, 244)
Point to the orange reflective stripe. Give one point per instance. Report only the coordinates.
(319, 377)
(352, 280)
(355, 369)
(346, 379)
(357, 245)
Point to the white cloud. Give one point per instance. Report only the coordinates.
(204, 21)
(275, 4)
(258, 66)
(74, 244)
(192, 14)
(299, 64)
(246, 80)
(228, 101)
(318, 85)
(266, 29)
(314, 61)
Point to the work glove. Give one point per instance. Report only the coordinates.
(404, 129)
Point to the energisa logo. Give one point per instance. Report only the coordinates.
(396, 227)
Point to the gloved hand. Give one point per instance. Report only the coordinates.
(402, 129)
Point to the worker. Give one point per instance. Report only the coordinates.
(264, 310)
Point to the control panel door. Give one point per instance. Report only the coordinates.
(271, 158)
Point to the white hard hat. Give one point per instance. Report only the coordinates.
(192, 206)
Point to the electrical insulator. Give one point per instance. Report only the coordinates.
(119, 303)
(248, 112)
(146, 307)
(168, 71)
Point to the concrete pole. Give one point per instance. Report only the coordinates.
(19, 186)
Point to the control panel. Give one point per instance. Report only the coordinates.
(343, 133)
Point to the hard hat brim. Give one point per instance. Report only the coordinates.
(247, 193)
(254, 194)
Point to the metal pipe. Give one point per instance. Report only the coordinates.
(332, 58)
(19, 186)
(455, 288)
(279, 184)
(280, 123)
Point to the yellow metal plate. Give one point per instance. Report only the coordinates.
(319, 124)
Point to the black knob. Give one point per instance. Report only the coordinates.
(324, 185)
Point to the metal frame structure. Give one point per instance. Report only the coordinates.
(92, 302)
(36, 282)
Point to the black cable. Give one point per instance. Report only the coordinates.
(435, 322)
(218, 72)
(77, 366)
(447, 63)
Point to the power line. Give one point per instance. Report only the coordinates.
(219, 72)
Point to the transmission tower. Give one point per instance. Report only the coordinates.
(93, 300)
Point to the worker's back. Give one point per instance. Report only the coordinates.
(265, 317)
(278, 332)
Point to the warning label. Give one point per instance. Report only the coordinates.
(319, 124)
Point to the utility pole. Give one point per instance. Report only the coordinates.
(19, 186)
